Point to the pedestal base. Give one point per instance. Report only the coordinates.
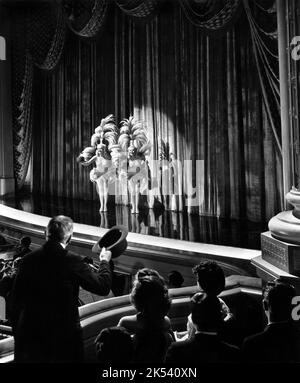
(283, 255)
(281, 245)
(268, 272)
(285, 226)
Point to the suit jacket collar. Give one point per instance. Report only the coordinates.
(280, 327)
(54, 247)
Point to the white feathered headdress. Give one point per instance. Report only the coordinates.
(107, 130)
(133, 133)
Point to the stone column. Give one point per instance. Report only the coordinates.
(283, 44)
(286, 225)
(281, 245)
(7, 181)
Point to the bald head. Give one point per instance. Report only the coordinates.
(59, 229)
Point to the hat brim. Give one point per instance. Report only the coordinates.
(113, 240)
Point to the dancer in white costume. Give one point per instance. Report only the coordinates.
(103, 144)
(134, 142)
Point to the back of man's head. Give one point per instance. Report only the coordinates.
(210, 277)
(175, 279)
(25, 241)
(206, 312)
(59, 229)
(278, 300)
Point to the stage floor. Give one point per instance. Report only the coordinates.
(174, 225)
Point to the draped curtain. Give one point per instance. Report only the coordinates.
(262, 20)
(198, 92)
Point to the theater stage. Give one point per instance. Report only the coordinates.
(155, 222)
(143, 250)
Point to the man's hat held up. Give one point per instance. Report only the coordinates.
(114, 240)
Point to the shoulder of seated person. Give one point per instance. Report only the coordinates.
(252, 339)
(129, 318)
(179, 344)
(128, 321)
(231, 347)
(224, 305)
(167, 321)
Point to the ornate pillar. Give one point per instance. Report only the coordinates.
(283, 44)
(281, 245)
(286, 225)
(7, 181)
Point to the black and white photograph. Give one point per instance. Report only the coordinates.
(149, 186)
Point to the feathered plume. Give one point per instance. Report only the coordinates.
(133, 131)
(107, 130)
(86, 157)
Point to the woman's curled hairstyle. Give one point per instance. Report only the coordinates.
(150, 296)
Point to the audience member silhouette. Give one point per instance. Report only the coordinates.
(146, 307)
(150, 326)
(22, 248)
(175, 279)
(114, 345)
(280, 341)
(45, 316)
(5, 244)
(211, 280)
(205, 346)
(8, 274)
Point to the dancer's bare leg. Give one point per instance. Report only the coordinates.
(137, 196)
(131, 187)
(105, 194)
(100, 187)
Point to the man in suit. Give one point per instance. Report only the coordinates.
(205, 346)
(45, 316)
(280, 341)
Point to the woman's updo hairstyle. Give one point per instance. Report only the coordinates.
(150, 294)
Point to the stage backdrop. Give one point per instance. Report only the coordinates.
(198, 92)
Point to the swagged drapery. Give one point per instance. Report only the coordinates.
(31, 47)
(197, 90)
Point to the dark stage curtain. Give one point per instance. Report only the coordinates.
(198, 92)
